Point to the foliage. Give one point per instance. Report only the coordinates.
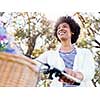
(37, 52)
(28, 27)
(90, 25)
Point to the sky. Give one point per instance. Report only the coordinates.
(52, 8)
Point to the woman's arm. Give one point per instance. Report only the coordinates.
(88, 66)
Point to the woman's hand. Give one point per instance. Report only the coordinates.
(69, 71)
(77, 75)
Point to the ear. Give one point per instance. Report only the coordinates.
(72, 33)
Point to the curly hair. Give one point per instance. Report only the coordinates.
(75, 28)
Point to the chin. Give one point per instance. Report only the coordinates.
(63, 39)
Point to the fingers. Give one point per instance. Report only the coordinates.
(70, 72)
(77, 75)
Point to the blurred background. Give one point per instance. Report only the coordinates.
(30, 26)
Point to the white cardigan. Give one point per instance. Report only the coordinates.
(83, 62)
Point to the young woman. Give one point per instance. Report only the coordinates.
(77, 62)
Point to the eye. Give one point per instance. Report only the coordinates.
(65, 26)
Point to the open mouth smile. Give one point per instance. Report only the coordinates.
(61, 32)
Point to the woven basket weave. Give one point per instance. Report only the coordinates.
(17, 71)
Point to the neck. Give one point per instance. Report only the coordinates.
(66, 46)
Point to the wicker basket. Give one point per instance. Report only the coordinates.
(17, 71)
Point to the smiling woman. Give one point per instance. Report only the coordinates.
(76, 62)
(69, 26)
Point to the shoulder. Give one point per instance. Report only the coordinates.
(50, 52)
(84, 51)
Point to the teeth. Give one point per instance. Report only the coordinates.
(61, 33)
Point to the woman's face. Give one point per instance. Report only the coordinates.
(64, 32)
